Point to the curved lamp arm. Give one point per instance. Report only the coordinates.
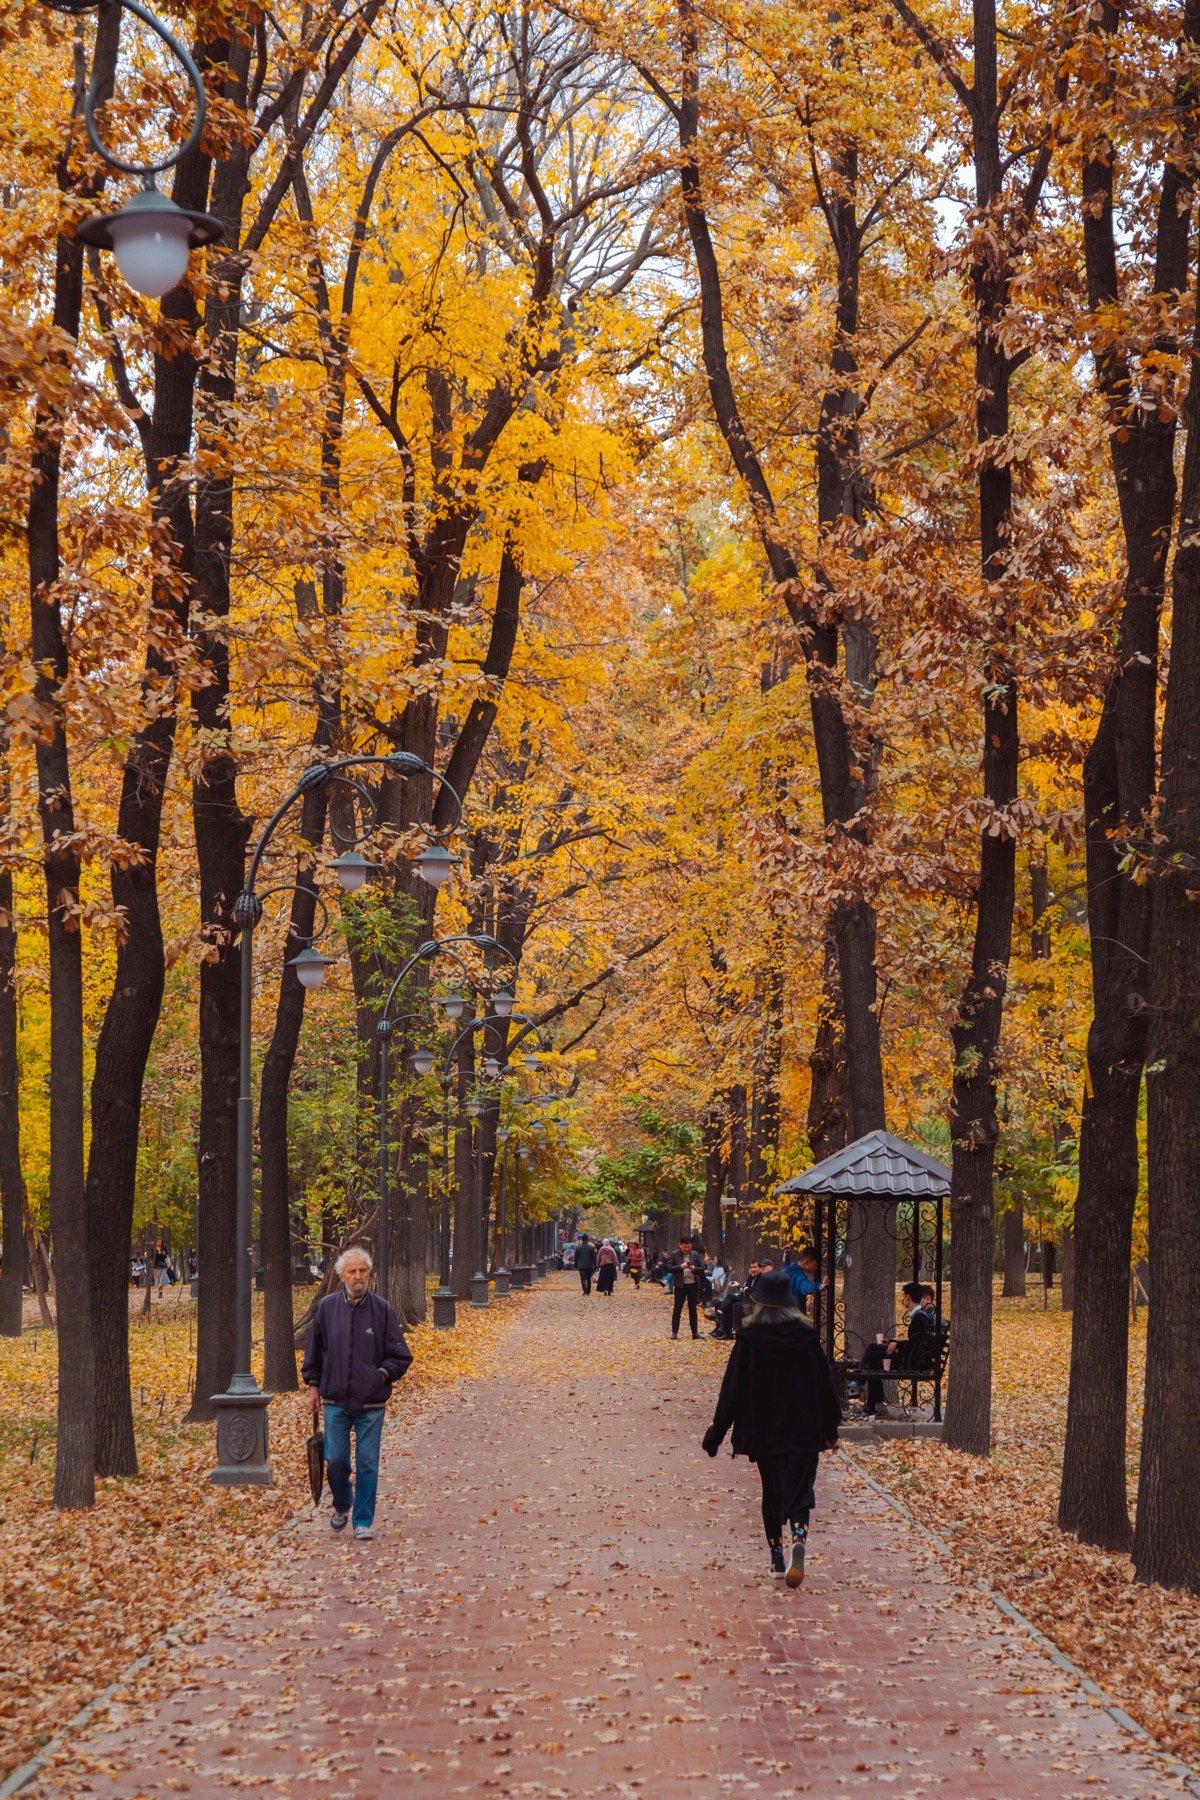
(179, 51)
(399, 762)
(435, 947)
(474, 1025)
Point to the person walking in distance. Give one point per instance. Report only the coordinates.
(585, 1261)
(635, 1263)
(607, 1264)
(356, 1354)
(779, 1400)
(687, 1269)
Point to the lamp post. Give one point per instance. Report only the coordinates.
(242, 1444)
(453, 1006)
(502, 1279)
(521, 1270)
(150, 236)
(493, 1070)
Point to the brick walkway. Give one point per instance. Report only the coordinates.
(567, 1598)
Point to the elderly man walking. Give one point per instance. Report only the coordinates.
(355, 1356)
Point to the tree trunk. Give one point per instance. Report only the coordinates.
(974, 1122)
(12, 1179)
(37, 1271)
(828, 1124)
(1066, 1298)
(714, 1178)
(844, 772)
(764, 1109)
(1166, 1545)
(221, 829)
(279, 1330)
(75, 1456)
(465, 1239)
(1118, 786)
(135, 1001)
(1014, 1253)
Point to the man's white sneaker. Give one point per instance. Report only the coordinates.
(338, 1521)
(363, 1531)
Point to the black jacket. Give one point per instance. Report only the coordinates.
(679, 1260)
(355, 1354)
(778, 1394)
(585, 1257)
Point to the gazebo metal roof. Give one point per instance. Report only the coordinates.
(877, 1166)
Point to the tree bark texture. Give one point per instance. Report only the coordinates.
(1166, 1544)
(1014, 1253)
(828, 1123)
(974, 1122)
(714, 1178)
(221, 829)
(279, 1331)
(75, 1456)
(132, 1012)
(1118, 787)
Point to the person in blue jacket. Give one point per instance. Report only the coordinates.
(356, 1354)
(804, 1277)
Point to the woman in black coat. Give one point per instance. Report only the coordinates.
(779, 1400)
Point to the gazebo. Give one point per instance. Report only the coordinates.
(877, 1170)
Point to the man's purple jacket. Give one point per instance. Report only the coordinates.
(355, 1353)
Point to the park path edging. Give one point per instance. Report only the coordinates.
(1181, 1771)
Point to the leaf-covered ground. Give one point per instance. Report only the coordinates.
(85, 1594)
(566, 1599)
(1142, 1644)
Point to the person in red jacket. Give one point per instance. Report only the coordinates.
(779, 1400)
(635, 1263)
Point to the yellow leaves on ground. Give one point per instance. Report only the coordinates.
(88, 1593)
(1138, 1643)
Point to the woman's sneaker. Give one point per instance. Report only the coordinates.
(777, 1559)
(795, 1569)
(338, 1521)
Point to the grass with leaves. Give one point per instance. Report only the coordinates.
(1141, 1644)
(87, 1593)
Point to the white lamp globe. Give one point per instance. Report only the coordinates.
(454, 1005)
(351, 870)
(421, 1061)
(435, 865)
(310, 967)
(502, 1005)
(151, 250)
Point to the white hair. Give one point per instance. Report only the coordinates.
(354, 1250)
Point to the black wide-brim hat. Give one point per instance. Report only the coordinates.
(773, 1289)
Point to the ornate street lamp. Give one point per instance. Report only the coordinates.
(150, 236)
(242, 1446)
(492, 1069)
(421, 1062)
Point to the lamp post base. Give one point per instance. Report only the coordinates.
(501, 1280)
(243, 1444)
(444, 1310)
(480, 1294)
(534, 1273)
(520, 1275)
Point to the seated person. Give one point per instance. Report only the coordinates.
(728, 1309)
(917, 1352)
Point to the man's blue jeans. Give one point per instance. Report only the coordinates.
(368, 1429)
